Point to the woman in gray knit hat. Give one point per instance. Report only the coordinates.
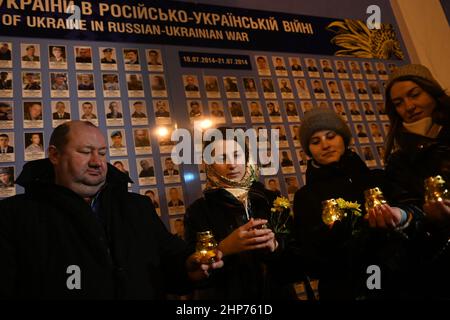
(330, 254)
(418, 147)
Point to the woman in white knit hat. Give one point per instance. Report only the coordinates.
(418, 147)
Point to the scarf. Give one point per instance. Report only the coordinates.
(424, 127)
(239, 189)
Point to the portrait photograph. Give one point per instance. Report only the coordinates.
(108, 58)
(57, 58)
(135, 85)
(59, 85)
(154, 60)
(327, 68)
(302, 88)
(30, 55)
(6, 115)
(171, 171)
(250, 88)
(7, 147)
(341, 69)
(145, 171)
(31, 85)
(6, 84)
(158, 85)
(216, 111)
(61, 112)
(162, 111)
(295, 66)
(6, 50)
(262, 65)
(291, 111)
(138, 111)
(83, 57)
(33, 114)
(236, 111)
(255, 110)
(311, 67)
(88, 111)
(280, 66)
(114, 113)
(175, 200)
(131, 59)
(85, 85)
(34, 146)
(111, 87)
(285, 88)
(141, 138)
(191, 86)
(7, 187)
(211, 87)
(117, 142)
(195, 109)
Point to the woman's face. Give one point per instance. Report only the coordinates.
(229, 159)
(326, 147)
(411, 102)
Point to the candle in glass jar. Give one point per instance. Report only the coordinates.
(374, 198)
(331, 212)
(206, 247)
(435, 189)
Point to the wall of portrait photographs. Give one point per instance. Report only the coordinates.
(129, 90)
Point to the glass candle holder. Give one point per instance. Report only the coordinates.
(206, 247)
(435, 189)
(373, 198)
(331, 212)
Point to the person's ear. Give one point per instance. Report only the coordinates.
(53, 154)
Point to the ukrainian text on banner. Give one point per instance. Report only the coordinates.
(180, 23)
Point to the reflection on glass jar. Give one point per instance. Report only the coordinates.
(374, 198)
(331, 212)
(206, 247)
(435, 189)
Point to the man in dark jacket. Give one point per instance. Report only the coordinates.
(77, 233)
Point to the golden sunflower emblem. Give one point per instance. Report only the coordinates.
(359, 41)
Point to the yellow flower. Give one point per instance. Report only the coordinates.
(281, 203)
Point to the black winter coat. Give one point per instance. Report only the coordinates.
(420, 158)
(332, 255)
(127, 253)
(248, 275)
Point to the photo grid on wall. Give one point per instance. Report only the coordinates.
(128, 91)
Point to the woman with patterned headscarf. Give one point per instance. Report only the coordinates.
(235, 207)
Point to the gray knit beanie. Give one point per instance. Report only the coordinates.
(416, 70)
(319, 119)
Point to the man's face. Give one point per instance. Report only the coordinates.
(4, 75)
(116, 140)
(161, 107)
(254, 107)
(138, 107)
(195, 107)
(4, 178)
(4, 142)
(145, 165)
(190, 80)
(131, 55)
(84, 52)
(35, 139)
(59, 80)
(4, 48)
(140, 135)
(29, 78)
(173, 194)
(113, 107)
(107, 54)
(169, 164)
(35, 111)
(153, 56)
(85, 79)
(87, 108)
(57, 52)
(81, 164)
(60, 107)
(215, 106)
(31, 51)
